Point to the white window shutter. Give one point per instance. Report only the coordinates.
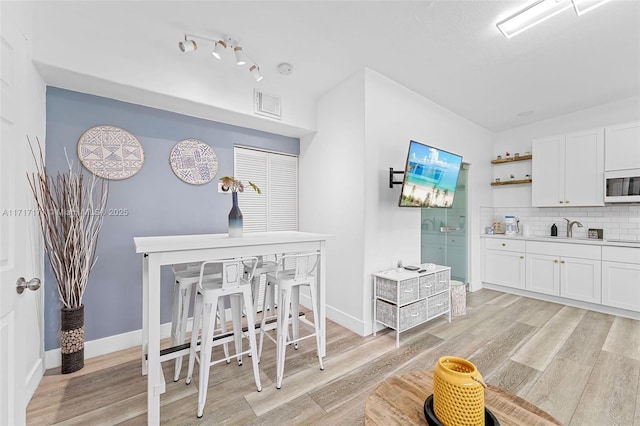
(276, 209)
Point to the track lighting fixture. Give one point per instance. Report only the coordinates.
(255, 72)
(187, 45)
(220, 45)
(541, 10)
(219, 48)
(241, 57)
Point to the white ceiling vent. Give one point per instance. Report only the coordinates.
(267, 105)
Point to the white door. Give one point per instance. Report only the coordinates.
(21, 338)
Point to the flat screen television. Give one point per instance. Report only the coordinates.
(430, 177)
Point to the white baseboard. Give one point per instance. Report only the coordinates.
(33, 379)
(118, 342)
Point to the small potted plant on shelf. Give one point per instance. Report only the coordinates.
(71, 209)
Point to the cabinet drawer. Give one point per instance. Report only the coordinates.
(504, 244)
(433, 283)
(582, 251)
(621, 254)
(410, 315)
(438, 304)
(388, 290)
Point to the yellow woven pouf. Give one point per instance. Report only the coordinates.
(458, 392)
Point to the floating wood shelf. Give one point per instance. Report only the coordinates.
(511, 182)
(511, 159)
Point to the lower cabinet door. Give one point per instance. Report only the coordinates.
(580, 279)
(505, 268)
(621, 285)
(543, 274)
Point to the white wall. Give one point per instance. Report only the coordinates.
(519, 140)
(364, 127)
(332, 194)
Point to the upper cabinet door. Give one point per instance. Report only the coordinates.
(584, 168)
(622, 147)
(568, 170)
(547, 171)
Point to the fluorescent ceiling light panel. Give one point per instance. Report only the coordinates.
(532, 15)
(583, 6)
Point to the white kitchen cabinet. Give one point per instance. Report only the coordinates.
(621, 277)
(568, 170)
(505, 262)
(551, 271)
(543, 274)
(622, 146)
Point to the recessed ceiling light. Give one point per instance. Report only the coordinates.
(525, 113)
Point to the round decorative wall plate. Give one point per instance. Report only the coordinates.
(110, 152)
(193, 161)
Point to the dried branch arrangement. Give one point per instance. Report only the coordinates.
(71, 209)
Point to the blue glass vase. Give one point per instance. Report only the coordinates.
(235, 218)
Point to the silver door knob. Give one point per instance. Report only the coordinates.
(33, 284)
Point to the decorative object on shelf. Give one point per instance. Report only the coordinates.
(71, 210)
(499, 157)
(507, 155)
(497, 179)
(516, 155)
(235, 215)
(501, 160)
(458, 392)
(512, 177)
(527, 176)
(193, 161)
(110, 152)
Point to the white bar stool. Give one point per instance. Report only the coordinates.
(208, 294)
(264, 267)
(186, 277)
(289, 282)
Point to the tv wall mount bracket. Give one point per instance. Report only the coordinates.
(391, 174)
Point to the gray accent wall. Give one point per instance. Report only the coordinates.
(156, 201)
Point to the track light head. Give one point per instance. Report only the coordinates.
(241, 57)
(255, 72)
(219, 49)
(187, 45)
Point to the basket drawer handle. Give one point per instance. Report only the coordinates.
(409, 291)
(440, 304)
(415, 314)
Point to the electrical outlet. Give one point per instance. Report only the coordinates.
(221, 189)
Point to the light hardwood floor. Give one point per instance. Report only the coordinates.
(580, 366)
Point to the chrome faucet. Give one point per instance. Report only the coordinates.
(570, 226)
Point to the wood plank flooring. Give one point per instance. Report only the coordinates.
(580, 366)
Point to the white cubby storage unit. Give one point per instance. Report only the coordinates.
(404, 299)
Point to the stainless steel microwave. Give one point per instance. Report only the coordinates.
(622, 186)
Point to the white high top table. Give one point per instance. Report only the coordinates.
(168, 250)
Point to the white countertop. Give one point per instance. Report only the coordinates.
(563, 239)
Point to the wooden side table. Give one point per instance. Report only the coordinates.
(399, 400)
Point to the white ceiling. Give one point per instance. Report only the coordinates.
(448, 50)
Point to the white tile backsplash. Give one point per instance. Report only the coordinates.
(617, 222)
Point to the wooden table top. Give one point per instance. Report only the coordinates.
(399, 400)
